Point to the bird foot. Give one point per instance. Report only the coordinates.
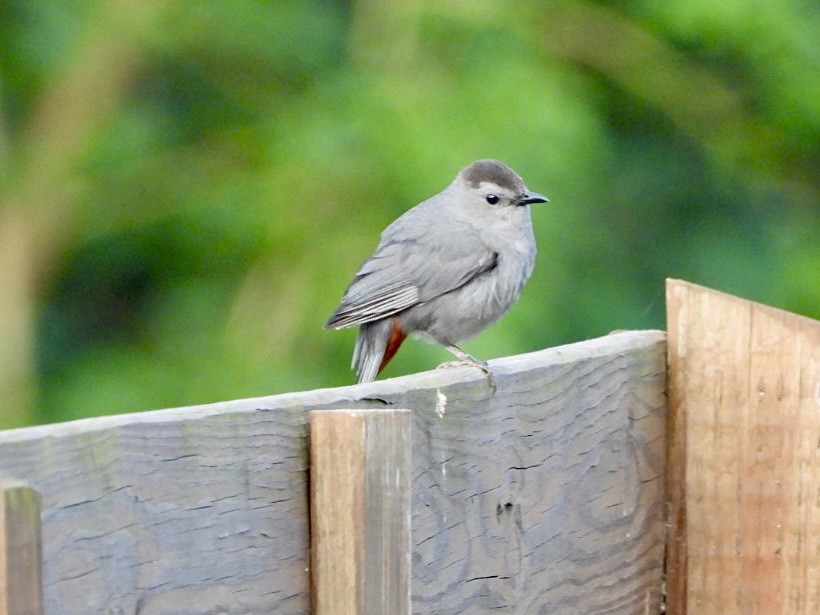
(466, 363)
(472, 362)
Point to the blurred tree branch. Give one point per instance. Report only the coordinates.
(697, 101)
(37, 202)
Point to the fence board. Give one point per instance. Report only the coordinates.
(360, 511)
(20, 561)
(744, 460)
(545, 496)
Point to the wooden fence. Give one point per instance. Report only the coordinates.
(744, 473)
(543, 495)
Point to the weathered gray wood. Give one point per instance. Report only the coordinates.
(546, 498)
(360, 511)
(20, 552)
(543, 497)
(190, 511)
(388, 512)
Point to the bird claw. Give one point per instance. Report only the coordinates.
(472, 362)
(466, 363)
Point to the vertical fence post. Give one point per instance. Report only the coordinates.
(20, 551)
(360, 511)
(744, 466)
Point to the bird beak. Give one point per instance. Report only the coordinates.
(532, 197)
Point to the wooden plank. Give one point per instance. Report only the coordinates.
(388, 512)
(337, 501)
(176, 512)
(744, 384)
(20, 562)
(545, 495)
(360, 511)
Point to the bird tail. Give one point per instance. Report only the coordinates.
(376, 344)
(369, 350)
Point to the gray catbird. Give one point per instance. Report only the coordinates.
(445, 269)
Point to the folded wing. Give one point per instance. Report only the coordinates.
(413, 263)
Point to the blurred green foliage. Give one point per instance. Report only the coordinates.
(187, 186)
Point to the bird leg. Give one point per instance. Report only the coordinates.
(469, 360)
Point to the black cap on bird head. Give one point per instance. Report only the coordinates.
(499, 174)
(495, 172)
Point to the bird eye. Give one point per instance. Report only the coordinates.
(491, 199)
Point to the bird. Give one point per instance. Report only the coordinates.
(444, 270)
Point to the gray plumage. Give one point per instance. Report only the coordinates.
(445, 269)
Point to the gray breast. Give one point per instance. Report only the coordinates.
(462, 313)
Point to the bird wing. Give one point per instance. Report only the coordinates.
(417, 260)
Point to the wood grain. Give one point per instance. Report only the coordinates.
(545, 496)
(178, 512)
(20, 550)
(337, 498)
(745, 467)
(360, 511)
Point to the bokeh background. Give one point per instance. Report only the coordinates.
(187, 186)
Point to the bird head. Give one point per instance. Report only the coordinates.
(496, 185)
